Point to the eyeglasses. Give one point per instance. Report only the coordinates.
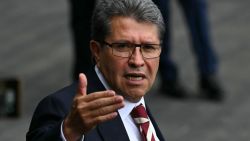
(125, 50)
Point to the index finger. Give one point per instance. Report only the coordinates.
(98, 95)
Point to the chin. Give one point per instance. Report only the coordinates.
(133, 99)
(135, 96)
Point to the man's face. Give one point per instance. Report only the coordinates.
(131, 77)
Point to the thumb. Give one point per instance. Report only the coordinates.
(82, 84)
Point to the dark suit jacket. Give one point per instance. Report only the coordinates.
(50, 112)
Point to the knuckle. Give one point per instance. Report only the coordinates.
(97, 104)
(92, 96)
(95, 96)
(76, 101)
(101, 111)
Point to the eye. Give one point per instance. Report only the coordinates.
(121, 45)
(149, 47)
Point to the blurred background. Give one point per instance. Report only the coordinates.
(36, 49)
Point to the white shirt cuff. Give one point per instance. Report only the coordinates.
(62, 134)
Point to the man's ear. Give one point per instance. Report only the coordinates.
(95, 48)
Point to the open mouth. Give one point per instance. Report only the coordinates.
(135, 76)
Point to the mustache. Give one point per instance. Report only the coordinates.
(135, 69)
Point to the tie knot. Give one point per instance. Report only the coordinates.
(139, 112)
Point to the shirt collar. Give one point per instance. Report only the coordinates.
(100, 76)
(126, 110)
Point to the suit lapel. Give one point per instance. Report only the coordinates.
(157, 130)
(113, 130)
(94, 84)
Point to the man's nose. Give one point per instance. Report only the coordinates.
(136, 59)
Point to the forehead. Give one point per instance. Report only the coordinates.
(128, 28)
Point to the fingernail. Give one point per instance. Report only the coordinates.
(111, 92)
(119, 98)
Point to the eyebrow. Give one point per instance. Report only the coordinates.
(127, 41)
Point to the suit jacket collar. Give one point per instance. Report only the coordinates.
(157, 130)
(113, 130)
(94, 84)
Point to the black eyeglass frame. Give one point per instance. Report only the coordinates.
(132, 47)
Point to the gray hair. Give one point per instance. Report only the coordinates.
(140, 10)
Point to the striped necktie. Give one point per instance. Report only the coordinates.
(141, 119)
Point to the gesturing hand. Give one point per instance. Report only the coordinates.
(89, 110)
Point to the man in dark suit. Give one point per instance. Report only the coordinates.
(125, 45)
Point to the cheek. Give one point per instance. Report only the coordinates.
(105, 61)
(152, 71)
(153, 66)
(156, 67)
(118, 68)
(112, 68)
